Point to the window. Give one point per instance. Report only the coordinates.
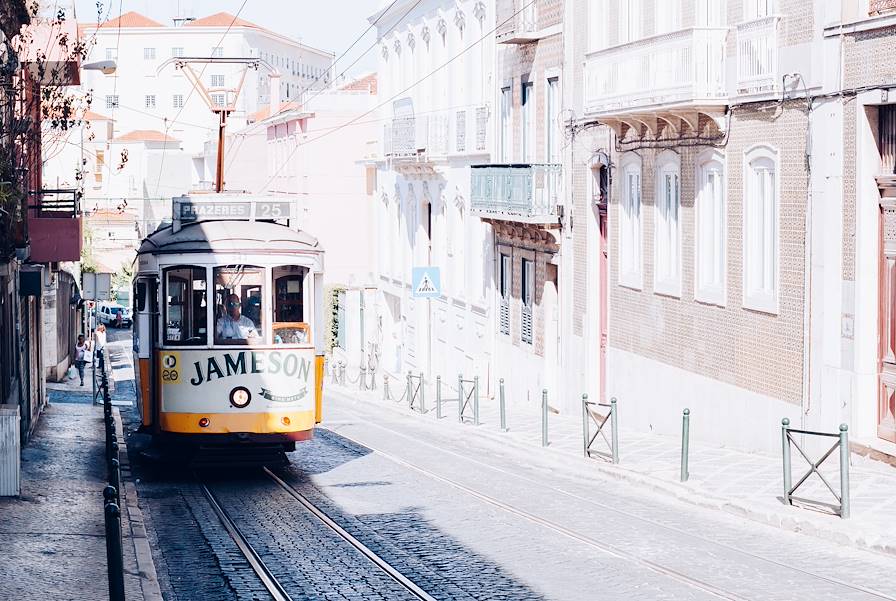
(112, 102)
(527, 293)
(111, 54)
(149, 54)
(177, 51)
(668, 15)
(630, 273)
(711, 228)
(757, 9)
(218, 99)
(629, 20)
(552, 115)
(761, 229)
(506, 123)
(186, 304)
(217, 81)
(150, 101)
(505, 271)
(217, 51)
(598, 16)
(99, 165)
(290, 326)
(667, 229)
(527, 140)
(239, 304)
(177, 101)
(711, 13)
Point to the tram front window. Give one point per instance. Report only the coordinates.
(185, 306)
(289, 305)
(239, 304)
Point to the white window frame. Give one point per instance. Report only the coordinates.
(712, 13)
(219, 96)
(217, 52)
(216, 80)
(111, 54)
(631, 16)
(759, 9)
(552, 103)
(761, 296)
(177, 51)
(112, 101)
(667, 225)
(177, 101)
(506, 123)
(149, 54)
(527, 122)
(631, 226)
(711, 245)
(149, 101)
(667, 15)
(598, 18)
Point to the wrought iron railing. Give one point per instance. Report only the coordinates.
(524, 192)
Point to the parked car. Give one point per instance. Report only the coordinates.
(114, 315)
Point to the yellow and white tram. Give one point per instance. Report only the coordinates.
(228, 325)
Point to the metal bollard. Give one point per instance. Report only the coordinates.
(410, 392)
(422, 404)
(113, 552)
(585, 428)
(362, 379)
(544, 417)
(501, 405)
(685, 438)
(460, 398)
(844, 471)
(438, 397)
(475, 400)
(386, 396)
(785, 455)
(115, 480)
(615, 430)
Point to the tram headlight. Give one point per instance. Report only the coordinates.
(240, 397)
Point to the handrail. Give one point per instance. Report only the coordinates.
(842, 445)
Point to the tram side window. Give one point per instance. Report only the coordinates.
(239, 305)
(185, 306)
(290, 326)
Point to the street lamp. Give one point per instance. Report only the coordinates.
(106, 67)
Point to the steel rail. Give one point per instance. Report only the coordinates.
(387, 455)
(273, 586)
(381, 563)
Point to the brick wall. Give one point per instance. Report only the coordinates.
(849, 189)
(858, 69)
(756, 351)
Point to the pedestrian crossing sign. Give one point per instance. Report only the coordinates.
(426, 283)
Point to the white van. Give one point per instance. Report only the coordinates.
(107, 313)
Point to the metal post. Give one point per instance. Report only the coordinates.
(362, 379)
(501, 407)
(615, 430)
(844, 471)
(585, 424)
(115, 479)
(460, 398)
(410, 392)
(685, 436)
(785, 454)
(113, 552)
(544, 417)
(475, 400)
(386, 387)
(422, 395)
(438, 397)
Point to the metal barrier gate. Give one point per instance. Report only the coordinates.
(589, 415)
(416, 393)
(842, 444)
(468, 400)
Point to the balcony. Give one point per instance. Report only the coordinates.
(519, 23)
(679, 70)
(437, 136)
(757, 56)
(55, 227)
(521, 193)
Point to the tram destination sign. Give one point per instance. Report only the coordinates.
(186, 209)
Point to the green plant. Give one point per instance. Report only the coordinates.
(331, 296)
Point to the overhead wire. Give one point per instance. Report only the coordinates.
(398, 94)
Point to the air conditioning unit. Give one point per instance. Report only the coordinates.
(10, 446)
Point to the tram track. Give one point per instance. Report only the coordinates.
(265, 575)
(602, 546)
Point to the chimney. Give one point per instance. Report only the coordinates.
(274, 97)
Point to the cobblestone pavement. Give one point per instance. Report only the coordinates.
(747, 484)
(52, 538)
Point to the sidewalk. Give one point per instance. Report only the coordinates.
(745, 484)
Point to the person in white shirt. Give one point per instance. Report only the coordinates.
(80, 356)
(233, 325)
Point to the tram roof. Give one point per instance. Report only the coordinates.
(228, 236)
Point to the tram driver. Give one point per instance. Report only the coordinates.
(233, 325)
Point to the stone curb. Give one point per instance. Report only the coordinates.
(149, 581)
(791, 519)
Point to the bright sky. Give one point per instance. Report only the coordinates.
(327, 25)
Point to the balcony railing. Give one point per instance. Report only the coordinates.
(55, 227)
(518, 22)
(678, 68)
(437, 135)
(757, 56)
(523, 193)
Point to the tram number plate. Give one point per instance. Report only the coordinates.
(257, 209)
(170, 371)
(272, 210)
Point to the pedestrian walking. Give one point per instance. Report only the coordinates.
(81, 349)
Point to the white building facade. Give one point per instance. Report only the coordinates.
(436, 76)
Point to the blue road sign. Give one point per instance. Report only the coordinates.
(426, 282)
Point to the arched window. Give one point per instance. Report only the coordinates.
(761, 229)
(667, 225)
(711, 218)
(630, 273)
